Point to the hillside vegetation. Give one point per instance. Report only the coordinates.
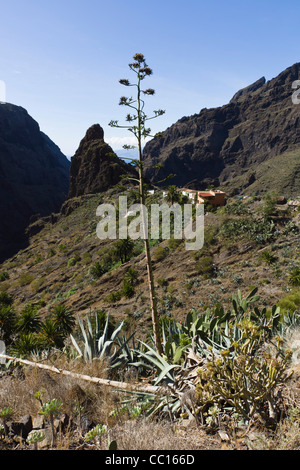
(231, 306)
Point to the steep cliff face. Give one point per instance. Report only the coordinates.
(34, 176)
(95, 167)
(225, 146)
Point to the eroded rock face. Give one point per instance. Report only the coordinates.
(34, 176)
(219, 145)
(95, 167)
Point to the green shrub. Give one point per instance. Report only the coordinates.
(63, 319)
(7, 322)
(75, 259)
(62, 248)
(114, 296)
(87, 258)
(123, 249)
(5, 299)
(294, 277)
(38, 259)
(259, 230)
(98, 270)
(210, 235)
(277, 272)
(161, 253)
(36, 285)
(162, 282)
(71, 262)
(208, 207)
(70, 292)
(173, 243)
(4, 276)
(236, 208)
(51, 252)
(131, 275)
(128, 289)
(25, 279)
(269, 206)
(205, 266)
(290, 228)
(268, 257)
(290, 302)
(29, 320)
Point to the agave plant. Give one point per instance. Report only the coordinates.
(97, 345)
(150, 359)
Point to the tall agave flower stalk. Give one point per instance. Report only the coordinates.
(137, 125)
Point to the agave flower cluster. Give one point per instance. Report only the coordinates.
(142, 70)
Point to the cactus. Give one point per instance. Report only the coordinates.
(241, 377)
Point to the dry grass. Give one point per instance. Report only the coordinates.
(151, 435)
(286, 436)
(17, 391)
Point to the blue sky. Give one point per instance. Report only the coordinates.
(62, 60)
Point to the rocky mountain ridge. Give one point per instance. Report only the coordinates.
(34, 176)
(95, 167)
(228, 146)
